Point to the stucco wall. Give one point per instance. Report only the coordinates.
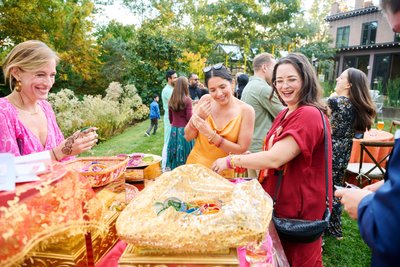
(384, 32)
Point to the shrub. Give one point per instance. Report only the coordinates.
(112, 114)
(393, 92)
(328, 88)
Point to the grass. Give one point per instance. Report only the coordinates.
(132, 140)
(350, 251)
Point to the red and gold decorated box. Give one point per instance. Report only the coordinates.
(35, 214)
(73, 250)
(86, 250)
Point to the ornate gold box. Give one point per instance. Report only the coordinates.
(72, 250)
(144, 171)
(129, 258)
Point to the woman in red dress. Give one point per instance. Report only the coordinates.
(296, 144)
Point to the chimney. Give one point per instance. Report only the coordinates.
(334, 8)
(368, 3)
(359, 4)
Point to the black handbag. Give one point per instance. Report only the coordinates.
(303, 231)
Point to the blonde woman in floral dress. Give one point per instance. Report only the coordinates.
(27, 121)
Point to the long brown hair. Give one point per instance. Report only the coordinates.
(180, 92)
(311, 91)
(359, 96)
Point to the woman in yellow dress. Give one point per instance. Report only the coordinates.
(221, 123)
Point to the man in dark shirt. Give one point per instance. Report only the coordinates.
(196, 89)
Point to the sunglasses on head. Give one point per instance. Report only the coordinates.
(215, 67)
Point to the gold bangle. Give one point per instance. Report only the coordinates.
(54, 154)
(213, 135)
(233, 162)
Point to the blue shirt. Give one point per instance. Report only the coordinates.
(154, 110)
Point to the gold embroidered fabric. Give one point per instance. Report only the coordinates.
(243, 216)
(36, 212)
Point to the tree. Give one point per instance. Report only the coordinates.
(139, 57)
(63, 25)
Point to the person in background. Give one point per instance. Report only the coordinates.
(257, 94)
(27, 121)
(352, 110)
(180, 111)
(154, 115)
(165, 96)
(377, 206)
(241, 82)
(234, 83)
(194, 90)
(221, 123)
(297, 150)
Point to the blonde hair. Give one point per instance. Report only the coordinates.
(28, 56)
(261, 59)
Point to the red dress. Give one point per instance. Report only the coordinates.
(302, 191)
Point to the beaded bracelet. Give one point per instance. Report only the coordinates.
(54, 154)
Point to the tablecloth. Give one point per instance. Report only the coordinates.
(378, 153)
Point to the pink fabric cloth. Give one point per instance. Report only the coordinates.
(17, 139)
(112, 257)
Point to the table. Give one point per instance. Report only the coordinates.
(378, 153)
(35, 212)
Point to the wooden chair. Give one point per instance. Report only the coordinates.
(394, 125)
(365, 172)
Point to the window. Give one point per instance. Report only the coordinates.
(342, 36)
(369, 33)
(358, 62)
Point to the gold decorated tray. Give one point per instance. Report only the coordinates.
(129, 258)
(144, 169)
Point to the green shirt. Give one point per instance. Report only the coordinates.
(165, 96)
(257, 93)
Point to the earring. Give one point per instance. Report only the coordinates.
(17, 86)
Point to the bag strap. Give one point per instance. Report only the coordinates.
(280, 172)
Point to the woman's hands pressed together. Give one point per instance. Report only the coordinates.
(203, 107)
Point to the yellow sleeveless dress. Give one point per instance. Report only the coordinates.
(206, 153)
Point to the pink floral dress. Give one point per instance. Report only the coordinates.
(17, 139)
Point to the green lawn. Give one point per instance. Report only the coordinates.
(350, 251)
(132, 140)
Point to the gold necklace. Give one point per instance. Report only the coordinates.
(20, 108)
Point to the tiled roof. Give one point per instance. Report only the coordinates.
(352, 13)
(366, 47)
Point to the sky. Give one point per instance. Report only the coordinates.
(121, 14)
